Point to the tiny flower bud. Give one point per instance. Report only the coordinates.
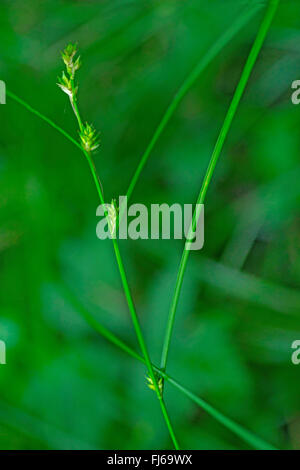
(151, 385)
(89, 138)
(112, 217)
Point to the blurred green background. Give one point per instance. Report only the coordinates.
(64, 386)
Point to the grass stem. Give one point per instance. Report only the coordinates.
(129, 299)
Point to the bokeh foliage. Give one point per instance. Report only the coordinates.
(64, 386)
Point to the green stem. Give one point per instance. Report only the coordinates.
(262, 32)
(247, 436)
(126, 288)
(237, 429)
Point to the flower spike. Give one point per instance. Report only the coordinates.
(65, 85)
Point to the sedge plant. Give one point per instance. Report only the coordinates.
(88, 144)
(255, 50)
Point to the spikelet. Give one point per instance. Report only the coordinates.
(89, 138)
(112, 211)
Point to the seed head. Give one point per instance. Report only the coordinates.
(68, 56)
(89, 138)
(112, 217)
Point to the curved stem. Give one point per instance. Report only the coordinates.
(215, 49)
(262, 32)
(125, 284)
